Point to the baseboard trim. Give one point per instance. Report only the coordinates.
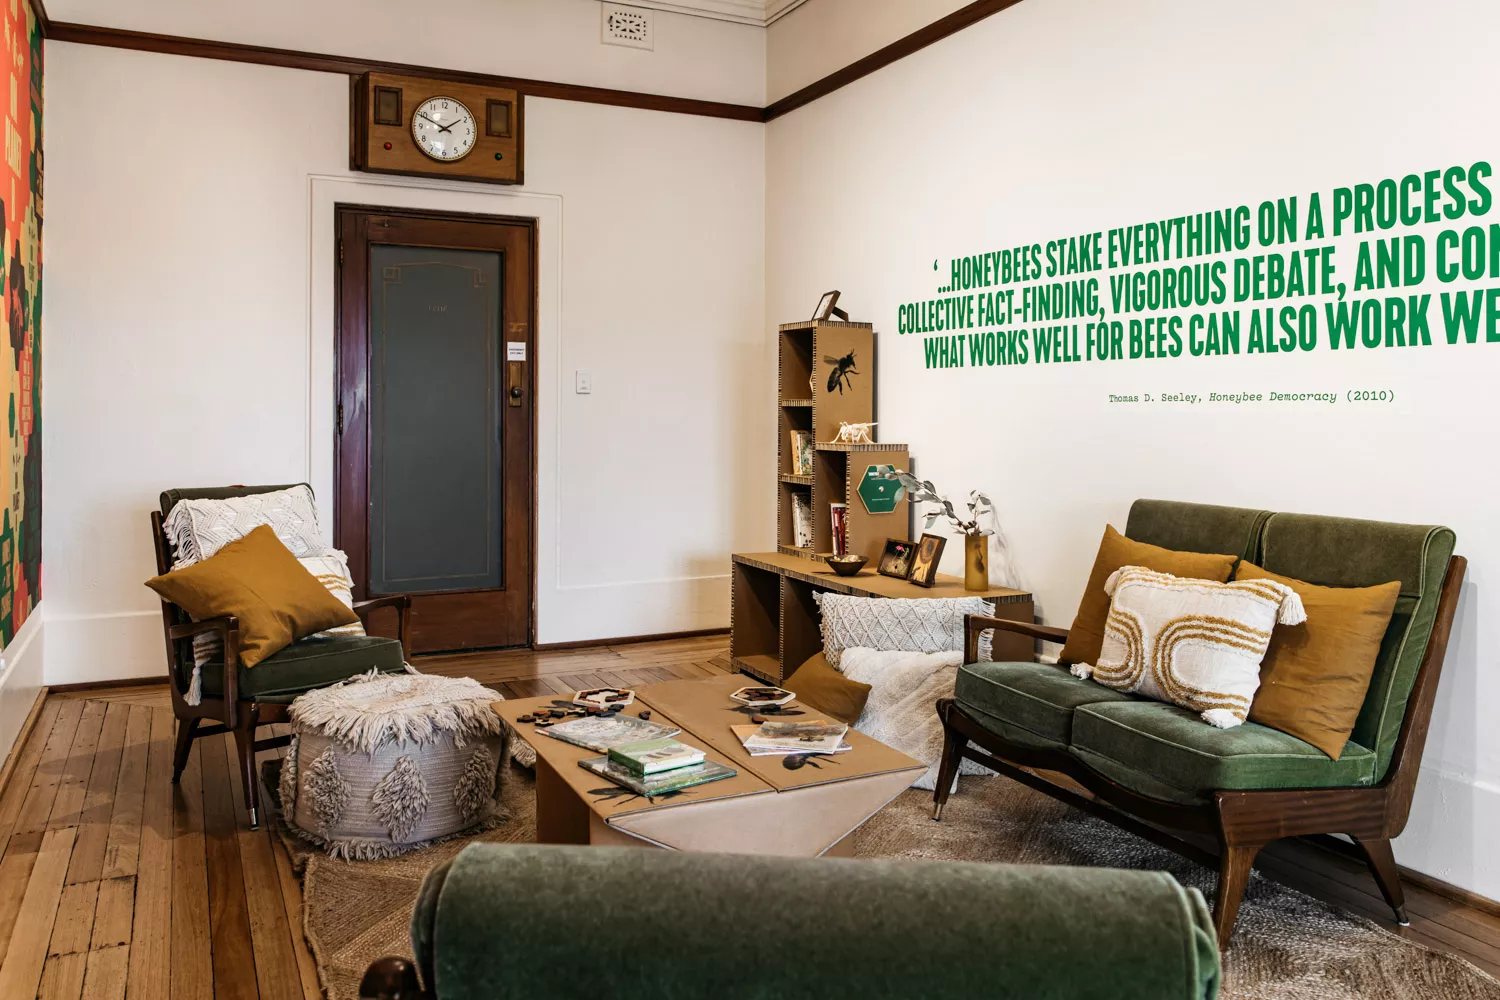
(97, 685)
(1448, 890)
(629, 640)
(19, 745)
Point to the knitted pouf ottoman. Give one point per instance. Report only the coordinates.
(386, 763)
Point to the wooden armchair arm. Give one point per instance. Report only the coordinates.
(401, 603)
(228, 628)
(975, 624)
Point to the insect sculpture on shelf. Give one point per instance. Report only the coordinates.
(854, 433)
(842, 369)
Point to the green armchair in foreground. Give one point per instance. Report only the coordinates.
(242, 700)
(531, 921)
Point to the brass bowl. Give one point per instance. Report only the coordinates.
(846, 565)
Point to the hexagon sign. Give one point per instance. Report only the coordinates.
(880, 495)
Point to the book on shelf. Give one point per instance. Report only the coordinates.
(650, 785)
(802, 526)
(781, 738)
(599, 733)
(653, 756)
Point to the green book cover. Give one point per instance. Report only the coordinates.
(658, 784)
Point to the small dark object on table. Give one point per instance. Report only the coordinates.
(558, 713)
(645, 713)
(523, 718)
(757, 718)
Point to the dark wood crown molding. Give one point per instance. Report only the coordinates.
(938, 30)
(86, 34)
(261, 55)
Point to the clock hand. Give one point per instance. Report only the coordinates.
(440, 127)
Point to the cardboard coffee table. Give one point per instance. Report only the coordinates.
(764, 809)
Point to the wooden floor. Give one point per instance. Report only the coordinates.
(116, 883)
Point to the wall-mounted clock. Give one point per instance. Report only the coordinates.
(436, 128)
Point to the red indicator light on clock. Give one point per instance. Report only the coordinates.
(387, 145)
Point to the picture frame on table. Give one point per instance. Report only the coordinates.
(896, 559)
(924, 565)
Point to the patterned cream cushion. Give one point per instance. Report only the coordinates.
(1194, 643)
(913, 625)
(199, 528)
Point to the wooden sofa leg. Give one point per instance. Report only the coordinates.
(953, 746)
(244, 742)
(1383, 866)
(185, 728)
(1234, 876)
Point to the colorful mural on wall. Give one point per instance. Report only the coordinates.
(20, 352)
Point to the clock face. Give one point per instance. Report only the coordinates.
(443, 129)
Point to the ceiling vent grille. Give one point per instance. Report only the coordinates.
(628, 26)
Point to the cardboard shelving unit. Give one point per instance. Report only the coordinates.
(826, 376)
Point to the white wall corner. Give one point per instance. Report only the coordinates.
(20, 678)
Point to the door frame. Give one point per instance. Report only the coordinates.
(532, 225)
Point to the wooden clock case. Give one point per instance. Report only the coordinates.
(381, 107)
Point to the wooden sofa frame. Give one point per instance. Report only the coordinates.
(1242, 821)
(234, 714)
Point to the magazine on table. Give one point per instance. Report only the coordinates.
(601, 733)
(649, 785)
(780, 738)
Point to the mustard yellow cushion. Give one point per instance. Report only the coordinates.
(1087, 634)
(820, 686)
(257, 580)
(1315, 675)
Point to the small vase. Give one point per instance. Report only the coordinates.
(976, 562)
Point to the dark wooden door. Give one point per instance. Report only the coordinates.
(435, 426)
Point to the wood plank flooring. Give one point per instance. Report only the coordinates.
(115, 883)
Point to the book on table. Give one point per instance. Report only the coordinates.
(600, 733)
(653, 756)
(651, 785)
(780, 738)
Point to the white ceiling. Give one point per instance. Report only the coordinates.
(761, 12)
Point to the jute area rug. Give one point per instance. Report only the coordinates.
(1287, 945)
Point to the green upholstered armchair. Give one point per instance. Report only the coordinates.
(1244, 787)
(241, 700)
(523, 921)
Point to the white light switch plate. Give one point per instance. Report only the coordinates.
(583, 382)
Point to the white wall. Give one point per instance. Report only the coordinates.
(1059, 117)
(824, 36)
(190, 336)
(556, 40)
(21, 668)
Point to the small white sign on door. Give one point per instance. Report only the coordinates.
(515, 350)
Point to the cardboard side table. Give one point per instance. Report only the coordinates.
(764, 809)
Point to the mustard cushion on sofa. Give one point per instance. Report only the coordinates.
(1315, 676)
(1087, 634)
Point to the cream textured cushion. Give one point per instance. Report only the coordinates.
(1194, 643)
(913, 625)
(903, 688)
(199, 528)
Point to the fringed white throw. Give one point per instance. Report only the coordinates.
(385, 763)
(1193, 643)
(904, 687)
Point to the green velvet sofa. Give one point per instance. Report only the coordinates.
(527, 921)
(1147, 765)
